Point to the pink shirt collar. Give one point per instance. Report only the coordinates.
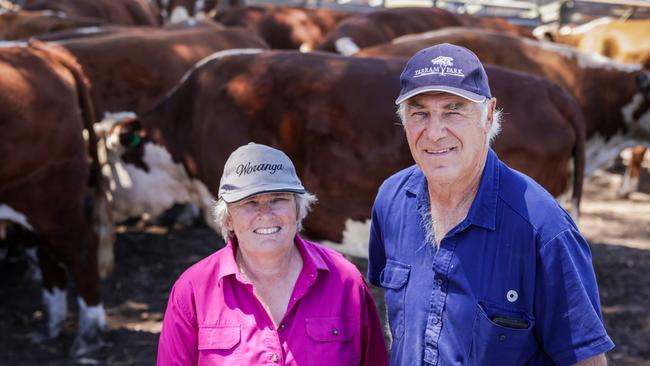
(312, 262)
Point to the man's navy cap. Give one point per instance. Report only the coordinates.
(445, 68)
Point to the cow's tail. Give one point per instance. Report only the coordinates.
(102, 217)
(571, 109)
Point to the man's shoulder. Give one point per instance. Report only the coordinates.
(202, 271)
(404, 179)
(525, 198)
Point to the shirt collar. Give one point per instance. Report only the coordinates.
(312, 260)
(483, 210)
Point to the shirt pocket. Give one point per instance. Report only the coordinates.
(494, 344)
(333, 337)
(393, 279)
(219, 344)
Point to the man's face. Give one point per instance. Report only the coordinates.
(445, 136)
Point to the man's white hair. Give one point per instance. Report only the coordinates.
(304, 203)
(485, 107)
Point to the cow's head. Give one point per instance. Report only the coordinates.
(123, 136)
(144, 179)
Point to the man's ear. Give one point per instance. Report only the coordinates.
(490, 114)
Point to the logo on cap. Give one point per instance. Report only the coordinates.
(250, 168)
(442, 65)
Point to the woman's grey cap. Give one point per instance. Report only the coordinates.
(254, 169)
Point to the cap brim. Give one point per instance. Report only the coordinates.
(235, 197)
(476, 98)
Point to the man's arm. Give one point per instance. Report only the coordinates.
(598, 360)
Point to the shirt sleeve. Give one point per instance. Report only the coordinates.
(376, 253)
(568, 315)
(373, 347)
(178, 337)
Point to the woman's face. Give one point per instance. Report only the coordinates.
(264, 223)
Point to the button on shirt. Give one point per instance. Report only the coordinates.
(214, 318)
(512, 284)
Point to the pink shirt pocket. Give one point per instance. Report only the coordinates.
(219, 344)
(334, 338)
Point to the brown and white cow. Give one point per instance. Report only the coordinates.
(614, 97)
(384, 25)
(125, 12)
(284, 27)
(627, 41)
(335, 117)
(45, 175)
(130, 70)
(24, 24)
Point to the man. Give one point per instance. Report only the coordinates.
(479, 264)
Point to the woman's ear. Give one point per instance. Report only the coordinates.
(228, 223)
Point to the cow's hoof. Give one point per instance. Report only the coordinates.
(84, 345)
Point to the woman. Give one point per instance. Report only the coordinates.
(269, 296)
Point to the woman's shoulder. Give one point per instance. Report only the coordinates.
(205, 270)
(335, 261)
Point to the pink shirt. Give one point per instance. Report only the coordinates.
(214, 318)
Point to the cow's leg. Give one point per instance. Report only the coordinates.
(82, 266)
(54, 289)
(632, 173)
(75, 247)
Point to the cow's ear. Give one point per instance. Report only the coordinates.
(643, 81)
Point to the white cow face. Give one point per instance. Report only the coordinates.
(144, 179)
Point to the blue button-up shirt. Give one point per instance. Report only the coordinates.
(512, 284)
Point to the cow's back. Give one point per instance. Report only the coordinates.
(133, 70)
(34, 90)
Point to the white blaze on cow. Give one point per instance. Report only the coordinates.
(7, 213)
(355, 239)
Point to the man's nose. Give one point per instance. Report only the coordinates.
(435, 129)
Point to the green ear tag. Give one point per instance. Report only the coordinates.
(135, 141)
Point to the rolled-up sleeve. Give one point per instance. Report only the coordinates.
(178, 338)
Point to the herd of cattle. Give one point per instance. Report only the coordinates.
(109, 111)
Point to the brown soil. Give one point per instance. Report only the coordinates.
(150, 258)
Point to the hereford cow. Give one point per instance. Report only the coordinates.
(24, 24)
(334, 116)
(125, 12)
(383, 25)
(627, 41)
(131, 70)
(614, 97)
(284, 27)
(44, 180)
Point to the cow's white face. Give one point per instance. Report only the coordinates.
(151, 186)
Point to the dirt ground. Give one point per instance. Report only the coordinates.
(149, 259)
